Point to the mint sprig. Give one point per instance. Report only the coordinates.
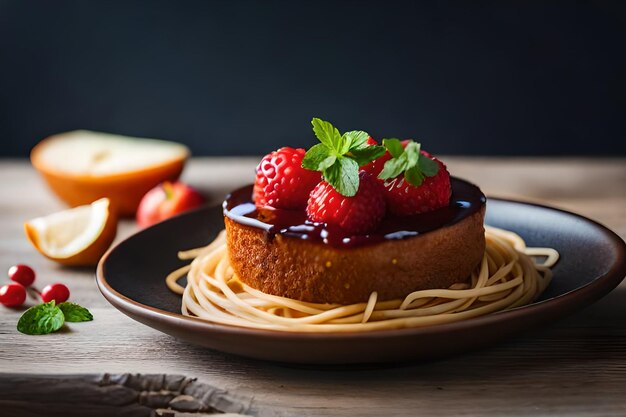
(75, 313)
(41, 319)
(49, 317)
(339, 156)
(408, 160)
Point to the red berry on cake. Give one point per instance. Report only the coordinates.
(405, 199)
(415, 181)
(281, 182)
(355, 215)
(377, 164)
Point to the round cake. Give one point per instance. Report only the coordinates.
(353, 235)
(282, 252)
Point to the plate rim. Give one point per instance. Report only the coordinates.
(592, 290)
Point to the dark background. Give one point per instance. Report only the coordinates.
(243, 77)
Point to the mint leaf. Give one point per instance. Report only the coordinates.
(327, 134)
(327, 163)
(338, 157)
(412, 151)
(408, 160)
(367, 154)
(75, 313)
(394, 167)
(343, 176)
(414, 177)
(41, 319)
(394, 146)
(428, 167)
(357, 139)
(316, 156)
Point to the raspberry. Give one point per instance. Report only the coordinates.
(281, 182)
(355, 215)
(404, 199)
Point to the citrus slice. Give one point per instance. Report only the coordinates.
(83, 166)
(77, 236)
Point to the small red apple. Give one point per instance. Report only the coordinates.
(166, 200)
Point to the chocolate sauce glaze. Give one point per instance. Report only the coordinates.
(466, 200)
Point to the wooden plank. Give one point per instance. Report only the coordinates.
(576, 367)
(106, 395)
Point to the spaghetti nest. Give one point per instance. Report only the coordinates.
(510, 275)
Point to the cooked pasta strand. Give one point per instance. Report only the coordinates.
(510, 275)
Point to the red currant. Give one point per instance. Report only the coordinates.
(57, 292)
(23, 274)
(13, 294)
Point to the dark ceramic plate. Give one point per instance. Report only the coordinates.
(593, 262)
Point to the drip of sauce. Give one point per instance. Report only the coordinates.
(466, 200)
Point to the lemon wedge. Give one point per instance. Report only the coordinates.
(77, 236)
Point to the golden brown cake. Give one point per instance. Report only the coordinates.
(279, 252)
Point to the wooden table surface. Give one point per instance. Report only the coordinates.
(576, 367)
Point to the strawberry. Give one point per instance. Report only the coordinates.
(355, 215)
(425, 185)
(377, 164)
(405, 199)
(339, 156)
(281, 182)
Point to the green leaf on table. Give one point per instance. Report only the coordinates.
(41, 319)
(75, 313)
